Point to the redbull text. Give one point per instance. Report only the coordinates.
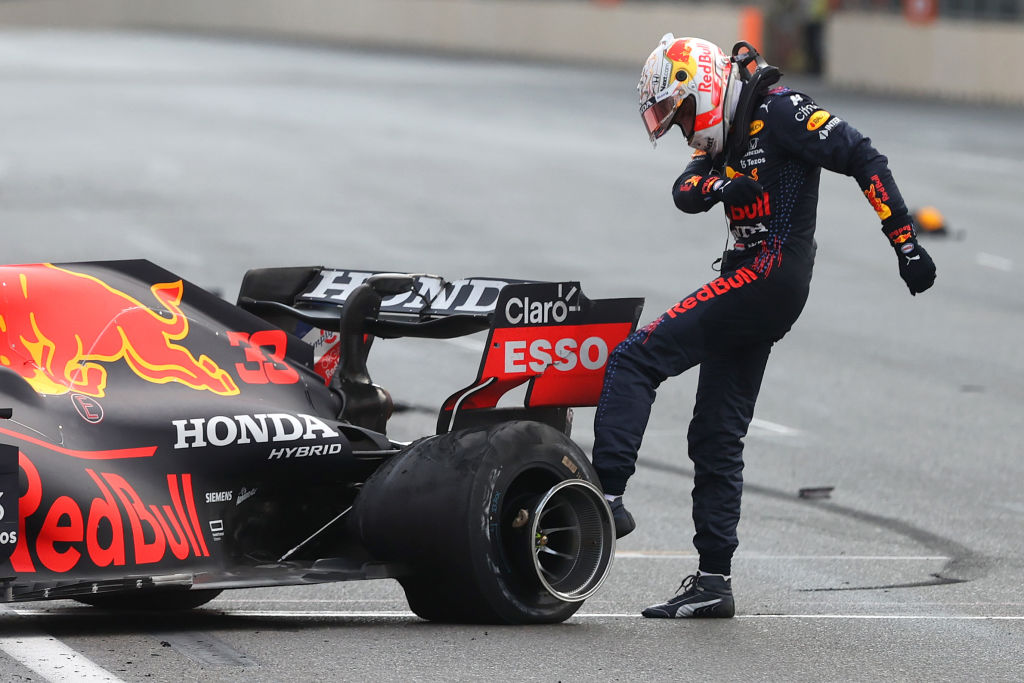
(710, 82)
(901, 234)
(759, 209)
(95, 533)
(716, 287)
(706, 62)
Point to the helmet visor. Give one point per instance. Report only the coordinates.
(686, 117)
(657, 116)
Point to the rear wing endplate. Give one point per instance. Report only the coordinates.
(553, 338)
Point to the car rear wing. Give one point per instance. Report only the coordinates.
(547, 335)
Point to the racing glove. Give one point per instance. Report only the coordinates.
(916, 267)
(740, 190)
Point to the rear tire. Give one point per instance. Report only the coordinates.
(452, 508)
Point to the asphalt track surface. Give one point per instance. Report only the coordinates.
(213, 156)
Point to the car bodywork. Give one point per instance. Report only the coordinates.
(158, 436)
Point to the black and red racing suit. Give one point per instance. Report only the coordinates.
(729, 325)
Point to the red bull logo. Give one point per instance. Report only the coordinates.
(709, 83)
(715, 288)
(901, 234)
(692, 181)
(95, 533)
(59, 329)
(759, 209)
(679, 51)
(878, 197)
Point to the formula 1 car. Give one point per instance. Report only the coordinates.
(160, 444)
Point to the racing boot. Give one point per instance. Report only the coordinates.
(624, 523)
(703, 596)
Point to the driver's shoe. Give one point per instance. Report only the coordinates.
(623, 520)
(704, 595)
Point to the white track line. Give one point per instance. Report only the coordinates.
(616, 615)
(689, 555)
(53, 660)
(356, 614)
(49, 657)
(898, 617)
(77, 674)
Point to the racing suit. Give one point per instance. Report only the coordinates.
(729, 325)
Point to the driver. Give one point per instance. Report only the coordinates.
(759, 151)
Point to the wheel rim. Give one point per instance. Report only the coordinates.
(572, 538)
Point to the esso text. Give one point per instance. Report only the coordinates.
(565, 354)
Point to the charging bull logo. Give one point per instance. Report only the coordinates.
(58, 327)
(878, 197)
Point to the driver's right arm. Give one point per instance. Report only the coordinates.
(695, 190)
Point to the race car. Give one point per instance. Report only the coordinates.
(160, 444)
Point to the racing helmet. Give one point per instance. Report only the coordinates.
(689, 81)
